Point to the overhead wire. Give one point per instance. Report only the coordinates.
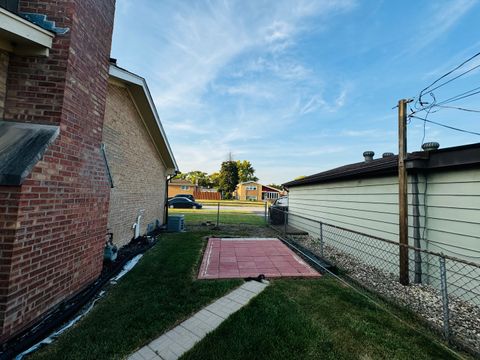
(454, 78)
(461, 96)
(455, 108)
(434, 106)
(444, 76)
(445, 126)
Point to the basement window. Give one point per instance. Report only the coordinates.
(107, 168)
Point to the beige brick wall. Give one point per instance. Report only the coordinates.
(136, 167)
(177, 189)
(3, 79)
(242, 191)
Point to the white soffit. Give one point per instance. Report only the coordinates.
(22, 37)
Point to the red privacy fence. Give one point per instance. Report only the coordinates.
(204, 195)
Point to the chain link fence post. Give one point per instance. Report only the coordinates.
(444, 290)
(321, 239)
(218, 213)
(284, 223)
(266, 209)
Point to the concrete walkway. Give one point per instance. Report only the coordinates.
(182, 338)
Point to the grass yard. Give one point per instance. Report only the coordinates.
(232, 203)
(291, 319)
(159, 292)
(196, 216)
(314, 319)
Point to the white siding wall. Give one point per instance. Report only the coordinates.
(370, 206)
(453, 212)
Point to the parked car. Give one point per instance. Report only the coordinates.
(277, 212)
(183, 203)
(188, 196)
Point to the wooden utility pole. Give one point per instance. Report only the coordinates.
(403, 190)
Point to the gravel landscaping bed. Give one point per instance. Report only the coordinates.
(424, 300)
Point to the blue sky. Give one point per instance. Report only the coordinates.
(297, 87)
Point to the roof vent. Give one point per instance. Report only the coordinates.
(387, 154)
(429, 146)
(368, 155)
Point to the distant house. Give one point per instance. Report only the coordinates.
(254, 191)
(181, 186)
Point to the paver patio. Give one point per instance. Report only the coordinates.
(226, 258)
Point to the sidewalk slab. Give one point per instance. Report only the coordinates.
(174, 343)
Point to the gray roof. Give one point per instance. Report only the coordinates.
(22, 145)
(464, 156)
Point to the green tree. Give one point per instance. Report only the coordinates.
(182, 176)
(246, 172)
(198, 177)
(214, 180)
(276, 186)
(228, 178)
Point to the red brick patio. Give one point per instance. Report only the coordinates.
(226, 258)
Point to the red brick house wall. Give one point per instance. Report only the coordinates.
(52, 228)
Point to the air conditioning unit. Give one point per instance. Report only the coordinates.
(176, 223)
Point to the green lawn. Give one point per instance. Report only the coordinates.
(314, 319)
(232, 203)
(157, 294)
(197, 216)
(291, 319)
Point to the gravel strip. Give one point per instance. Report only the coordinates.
(424, 300)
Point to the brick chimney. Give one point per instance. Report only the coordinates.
(53, 226)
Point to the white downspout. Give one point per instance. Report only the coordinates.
(136, 226)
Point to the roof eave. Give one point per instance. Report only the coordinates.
(23, 37)
(139, 90)
(465, 156)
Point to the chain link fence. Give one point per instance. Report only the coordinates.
(219, 213)
(443, 290)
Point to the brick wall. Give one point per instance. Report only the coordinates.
(137, 169)
(54, 225)
(3, 79)
(242, 192)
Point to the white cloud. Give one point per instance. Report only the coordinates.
(250, 89)
(201, 41)
(442, 17)
(196, 47)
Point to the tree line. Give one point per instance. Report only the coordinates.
(231, 173)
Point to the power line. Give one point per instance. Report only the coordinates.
(461, 96)
(445, 126)
(456, 108)
(454, 78)
(426, 116)
(444, 76)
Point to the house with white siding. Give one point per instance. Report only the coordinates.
(443, 200)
